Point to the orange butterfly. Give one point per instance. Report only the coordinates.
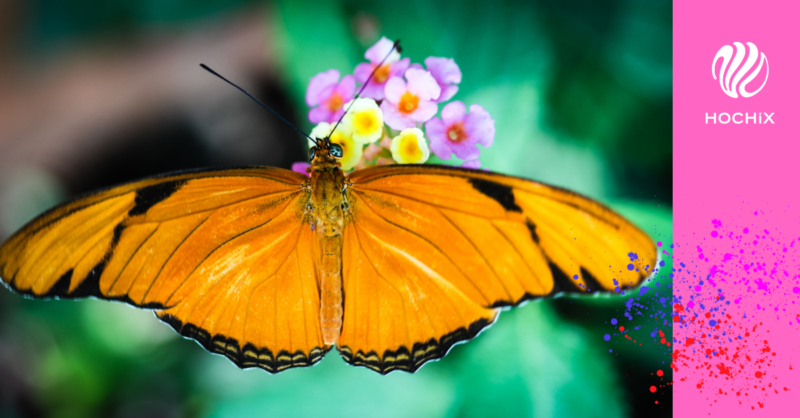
(393, 264)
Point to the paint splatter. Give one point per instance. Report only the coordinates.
(647, 311)
(739, 279)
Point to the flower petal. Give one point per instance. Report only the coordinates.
(363, 71)
(394, 118)
(424, 111)
(347, 88)
(321, 86)
(374, 91)
(444, 70)
(399, 68)
(440, 146)
(422, 84)
(300, 167)
(394, 89)
(364, 120)
(352, 151)
(447, 93)
(409, 147)
(320, 114)
(378, 51)
(473, 164)
(479, 125)
(465, 150)
(453, 112)
(416, 65)
(321, 131)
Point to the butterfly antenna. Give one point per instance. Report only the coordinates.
(205, 67)
(396, 46)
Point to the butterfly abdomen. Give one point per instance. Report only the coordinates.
(331, 299)
(328, 204)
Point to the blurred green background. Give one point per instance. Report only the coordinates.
(94, 93)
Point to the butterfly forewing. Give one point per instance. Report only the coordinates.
(221, 255)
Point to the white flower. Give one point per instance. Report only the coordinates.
(410, 147)
(365, 120)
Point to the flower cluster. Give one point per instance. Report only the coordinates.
(383, 126)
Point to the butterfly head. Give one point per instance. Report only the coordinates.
(325, 154)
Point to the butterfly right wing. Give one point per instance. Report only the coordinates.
(222, 256)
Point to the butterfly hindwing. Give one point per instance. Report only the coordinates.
(440, 248)
(220, 255)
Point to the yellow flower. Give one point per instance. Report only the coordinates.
(410, 147)
(344, 137)
(365, 120)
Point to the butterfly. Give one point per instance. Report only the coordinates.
(392, 265)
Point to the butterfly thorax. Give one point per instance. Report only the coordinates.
(328, 203)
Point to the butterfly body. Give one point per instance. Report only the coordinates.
(329, 205)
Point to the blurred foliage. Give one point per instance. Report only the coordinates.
(55, 25)
(581, 94)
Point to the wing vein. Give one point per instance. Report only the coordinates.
(174, 250)
(521, 257)
(128, 261)
(217, 248)
(391, 285)
(457, 266)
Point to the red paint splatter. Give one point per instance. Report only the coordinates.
(660, 373)
(653, 389)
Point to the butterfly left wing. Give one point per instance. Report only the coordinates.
(431, 252)
(222, 256)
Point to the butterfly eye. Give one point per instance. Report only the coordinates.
(336, 150)
(312, 152)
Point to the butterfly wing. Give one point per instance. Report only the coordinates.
(220, 255)
(431, 252)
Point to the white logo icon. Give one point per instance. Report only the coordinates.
(731, 74)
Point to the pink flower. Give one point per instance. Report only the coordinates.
(301, 167)
(392, 67)
(329, 95)
(473, 164)
(459, 133)
(446, 73)
(412, 102)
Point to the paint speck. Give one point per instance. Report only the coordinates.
(621, 329)
(652, 389)
(607, 337)
(660, 373)
(712, 322)
(630, 267)
(714, 234)
(758, 375)
(796, 289)
(614, 320)
(697, 288)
